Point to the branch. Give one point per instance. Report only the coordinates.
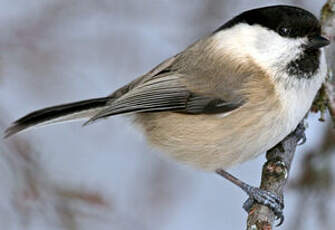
(330, 92)
(276, 169)
(274, 177)
(328, 27)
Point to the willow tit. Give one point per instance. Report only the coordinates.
(228, 97)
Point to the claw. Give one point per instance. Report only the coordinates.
(248, 204)
(266, 198)
(281, 220)
(300, 132)
(302, 140)
(263, 197)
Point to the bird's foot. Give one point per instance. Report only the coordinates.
(266, 198)
(257, 195)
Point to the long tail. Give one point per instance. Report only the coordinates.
(59, 113)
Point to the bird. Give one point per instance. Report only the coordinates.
(226, 98)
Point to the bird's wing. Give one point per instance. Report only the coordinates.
(165, 92)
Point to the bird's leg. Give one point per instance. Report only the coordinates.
(269, 199)
(275, 172)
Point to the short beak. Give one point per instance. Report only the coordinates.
(317, 42)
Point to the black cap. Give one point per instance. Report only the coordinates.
(288, 21)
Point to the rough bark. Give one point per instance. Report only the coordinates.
(328, 23)
(274, 177)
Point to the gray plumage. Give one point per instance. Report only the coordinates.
(162, 89)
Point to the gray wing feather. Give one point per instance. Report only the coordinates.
(158, 94)
(165, 93)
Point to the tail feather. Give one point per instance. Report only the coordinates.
(59, 113)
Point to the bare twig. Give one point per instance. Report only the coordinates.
(330, 91)
(328, 23)
(276, 169)
(274, 177)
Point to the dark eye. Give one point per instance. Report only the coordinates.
(283, 31)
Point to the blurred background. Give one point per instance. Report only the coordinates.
(104, 176)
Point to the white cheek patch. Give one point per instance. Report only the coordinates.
(271, 51)
(275, 52)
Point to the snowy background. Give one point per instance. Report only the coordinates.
(104, 176)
